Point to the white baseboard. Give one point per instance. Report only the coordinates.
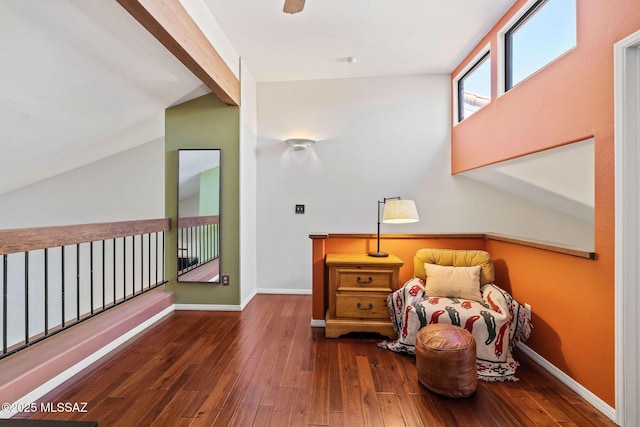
(208, 307)
(594, 400)
(54, 382)
(248, 299)
(315, 323)
(224, 307)
(285, 291)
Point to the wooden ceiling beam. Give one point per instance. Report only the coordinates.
(170, 23)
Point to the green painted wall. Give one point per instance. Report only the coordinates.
(205, 122)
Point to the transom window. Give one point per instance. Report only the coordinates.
(474, 87)
(543, 33)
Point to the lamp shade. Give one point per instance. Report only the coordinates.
(400, 211)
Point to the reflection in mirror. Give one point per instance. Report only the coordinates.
(561, 179)
(199, 215)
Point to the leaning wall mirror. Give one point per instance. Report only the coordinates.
(199, 215)
(560, 179)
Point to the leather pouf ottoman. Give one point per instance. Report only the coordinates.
(446, 360)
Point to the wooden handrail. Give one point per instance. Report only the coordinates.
(29, 239)
(195, 221)
(580, 253)
(396, 236)
(558, 248)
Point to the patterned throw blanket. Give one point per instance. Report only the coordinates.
(497, 324)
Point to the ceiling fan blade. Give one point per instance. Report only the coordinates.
(293, 6)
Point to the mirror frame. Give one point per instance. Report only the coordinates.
(198, 235)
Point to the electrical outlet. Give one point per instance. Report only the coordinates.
(299, 209)
(527, 309)
(225, 280)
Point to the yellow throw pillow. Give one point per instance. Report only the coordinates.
(455, 282)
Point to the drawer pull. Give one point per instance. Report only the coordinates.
(366, 308)
(365, 282)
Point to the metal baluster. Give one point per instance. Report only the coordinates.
(46, 291)
(149, 257)
(104, 287)
(124, 268)
(133, 265)
(216, 242)
(78, 282)
(5, 296)
(163, 256)
(207, 240)
(194, 253)
(114, 271)
(62, 286)
(26, 298)
(156, 265)
(141, 263)
(91, 274)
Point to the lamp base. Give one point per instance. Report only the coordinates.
(378, 254)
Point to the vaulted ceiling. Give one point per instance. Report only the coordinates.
(81, 80)
(387, 37)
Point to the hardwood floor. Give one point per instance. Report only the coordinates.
(267, 367)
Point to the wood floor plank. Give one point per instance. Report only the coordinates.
(319, 411)
(246, 412)
(266, 365)
(208, 411)
(427, 412)
(336, 401)
(236, 394)
(262, 416)
(390, 412)
(504, 392)
(573, 408)
(336, 419)
(171, 414)
(274, 379)
(493, 406)
(283, 409)
(301, 415)
(148, 406)
(350, 384)
(368, 395)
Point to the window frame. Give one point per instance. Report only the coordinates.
(505, 72)
(484, 53)
(508, 40)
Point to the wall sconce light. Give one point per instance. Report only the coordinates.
(396, 211)
(300, 143)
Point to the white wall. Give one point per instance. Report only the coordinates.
(248, 185)
(122, 187)
(377, 137)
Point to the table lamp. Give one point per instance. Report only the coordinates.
(396, 211)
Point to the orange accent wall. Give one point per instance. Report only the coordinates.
(569, 100)
(572, 306)
(402, 246)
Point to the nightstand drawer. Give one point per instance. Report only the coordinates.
(362, 306)
(354, 278)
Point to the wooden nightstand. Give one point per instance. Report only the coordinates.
(358, 290)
